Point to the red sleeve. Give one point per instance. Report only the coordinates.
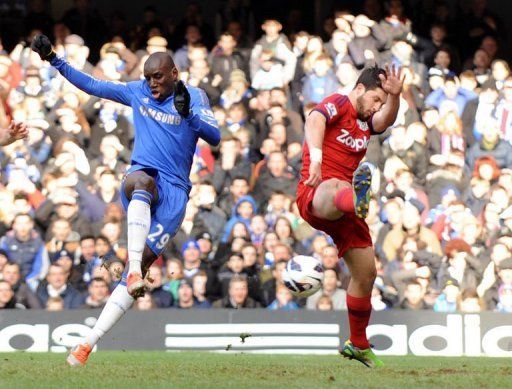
(331, 107)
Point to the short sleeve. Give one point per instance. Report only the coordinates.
(331, 107)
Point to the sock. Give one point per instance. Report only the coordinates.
(117, 304)
(139, 222)
(344, 200)
(359, 311)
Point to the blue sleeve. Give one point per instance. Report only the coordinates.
(116, 91)
(201, 118)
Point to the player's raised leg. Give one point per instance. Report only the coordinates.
(117, 304)
(361, 263)
(334, 197)
(140, 189)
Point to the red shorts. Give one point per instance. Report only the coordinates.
(347, 232)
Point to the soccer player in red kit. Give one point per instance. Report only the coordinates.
(334, 191)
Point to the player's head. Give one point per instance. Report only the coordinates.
(161, 75)
(369, 93)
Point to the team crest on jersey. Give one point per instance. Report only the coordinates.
(362, 125)
(331, 110)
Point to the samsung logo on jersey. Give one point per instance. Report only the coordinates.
(349, 141)
(160, 116)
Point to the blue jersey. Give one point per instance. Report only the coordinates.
(163, 139)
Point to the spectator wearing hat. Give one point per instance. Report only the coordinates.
(243, 211)
(56, 285)
(11, 273)
(238, 295)
(191, 254)
(448, 299)
(65, 260)
(225, 58)
(237, 90)
(97, 294)
(25, 247)
(186, 298)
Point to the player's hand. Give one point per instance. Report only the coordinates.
(315, 174)
(182, 99)
(393, 82)
(17, 131)
(42, 46)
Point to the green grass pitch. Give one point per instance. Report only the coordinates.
(213, 370)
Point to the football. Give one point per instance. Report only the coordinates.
(303, 275)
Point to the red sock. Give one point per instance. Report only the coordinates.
(359, 311)
(344, 200)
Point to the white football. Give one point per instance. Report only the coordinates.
(303, 275)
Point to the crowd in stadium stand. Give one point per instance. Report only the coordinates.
(441, 216)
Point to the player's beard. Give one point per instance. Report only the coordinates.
(362, 114)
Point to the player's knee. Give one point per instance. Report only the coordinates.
(366, 279)
(145, 182)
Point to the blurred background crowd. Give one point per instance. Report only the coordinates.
(441, 216)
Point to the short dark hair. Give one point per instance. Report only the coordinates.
(87, 237)
(370, 79)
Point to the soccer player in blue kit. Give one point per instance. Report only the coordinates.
(169, 118)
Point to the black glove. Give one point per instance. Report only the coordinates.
(182, 99)
(42, 46)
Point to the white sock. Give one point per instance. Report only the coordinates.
(117, 304)
(139, 222)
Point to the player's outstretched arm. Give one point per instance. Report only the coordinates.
(392, 84)
(314, 130)
(14, 132)
(115, 91)
(197, 112)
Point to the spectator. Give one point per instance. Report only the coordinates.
(162, 298)
(144, 303)
(56, 285)
(329, 288)
(284, 300)
(97, 294)
(7, 297)
(24, 246)
(447, 300)
(174, 274)
(414, 297)
(55, 304)
(324, 303)
(186, 297)
(238, 295)
(24, 296)
(225, 58)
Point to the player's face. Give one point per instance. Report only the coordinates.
(161, 75)
(370, 102)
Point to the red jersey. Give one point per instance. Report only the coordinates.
(345, 140)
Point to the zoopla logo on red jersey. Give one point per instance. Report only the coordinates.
(349, 141)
